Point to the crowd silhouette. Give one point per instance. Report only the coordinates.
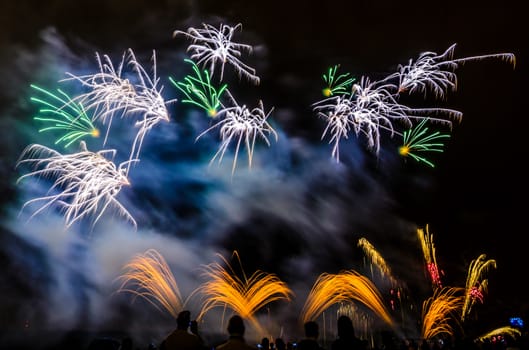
(186, 336)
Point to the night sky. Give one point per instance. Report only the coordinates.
(296, 212)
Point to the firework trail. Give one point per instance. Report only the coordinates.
(211, 45)
(440, 310)
(245, 296)
(199, 91)
(501, 331)
(428, 249)
(336, 112)
(68, 116)
(336, 85)
(148, 102)
(436, 72)
(85, 182)
(243, 125)
(376, 259)
(148, 276)
(370, 108)
(417, 140)
(110, 93)
(373, 106)
(373, 110)
(366, 110)
(346, 286)
(475, 286)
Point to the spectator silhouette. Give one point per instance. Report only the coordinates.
(346, 339)
(236, 339)
(280, 344)
(310, 342)
(181, 338)
(193, 327)
(265, 344)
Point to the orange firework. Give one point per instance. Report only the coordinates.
(476, 288)
(245, 296)
(346, 286)
(438, 311)
(501, 331)
(148, 276)
(428, 250)
(376, 259)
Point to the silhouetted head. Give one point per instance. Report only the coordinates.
(280, 344)
(183, 319)
(265, 343)
(236, 325)
(311, 329)
(345, 326)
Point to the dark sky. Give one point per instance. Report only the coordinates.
(296, 210)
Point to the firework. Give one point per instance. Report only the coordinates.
(336, 85)
(376, 259)
(369, 108)
(108, 92)
(148, 103)
(243, 125)
(85, 182)
(440, 310)
(64, 114)
(245, 296)
(372, 107)
(211, 45)
(475, 285)
(428, 249)
(346, 286)
(148, 276)
(436, 72)
(418, 140)
(500, 331)
(199, 91)
(336, 114)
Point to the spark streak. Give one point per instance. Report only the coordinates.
(110, 93)
(475, 285)
(417, 140)
(241, 124)
(199, 91)
(148, 276)
(245, 296)
(376, 259)
(212, 45)
(85, 182)
(336, 85)
(500, 331)
(346, 286)
(440, 310)
(428, 249)
(67, 115)
(436, 72)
